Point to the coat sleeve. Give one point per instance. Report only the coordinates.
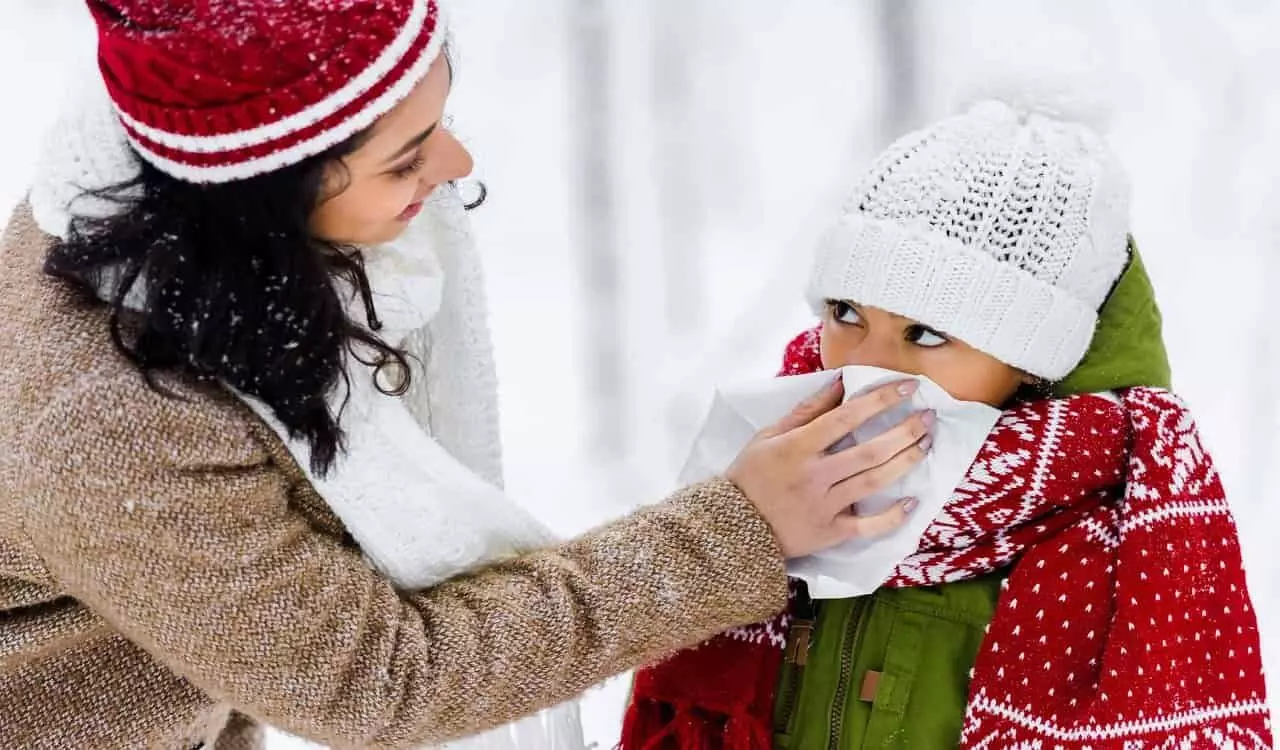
(175, 526)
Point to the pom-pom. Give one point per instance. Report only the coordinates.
(1062, 82)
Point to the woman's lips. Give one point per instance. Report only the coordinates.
(413, 210)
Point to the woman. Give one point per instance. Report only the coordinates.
(250, 416)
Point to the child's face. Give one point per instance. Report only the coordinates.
(857, 335)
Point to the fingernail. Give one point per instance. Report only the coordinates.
(908, 387)
(926, 445)
(930, 418)
(910, 505)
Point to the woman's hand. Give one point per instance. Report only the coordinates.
(806, 492)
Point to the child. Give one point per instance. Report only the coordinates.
(1083, 586)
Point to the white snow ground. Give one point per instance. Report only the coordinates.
(782, 106)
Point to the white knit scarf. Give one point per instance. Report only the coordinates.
(419, 484)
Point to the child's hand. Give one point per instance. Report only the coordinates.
(806, 492)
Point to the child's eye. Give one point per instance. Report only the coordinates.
(844, 312)
(926, 337)
(410, 169)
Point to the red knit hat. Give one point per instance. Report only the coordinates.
(221, 90)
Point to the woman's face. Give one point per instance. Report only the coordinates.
(857, 335)
(375, 191)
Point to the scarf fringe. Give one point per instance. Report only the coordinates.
(644, 728)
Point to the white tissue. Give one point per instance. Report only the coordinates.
(860, 566)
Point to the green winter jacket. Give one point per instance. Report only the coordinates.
(891, 670)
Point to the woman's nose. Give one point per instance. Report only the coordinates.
(449, 159)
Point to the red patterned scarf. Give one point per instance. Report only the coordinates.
(1125, 621)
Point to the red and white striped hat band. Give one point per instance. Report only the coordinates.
(224, 90)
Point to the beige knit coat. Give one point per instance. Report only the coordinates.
(168, 576)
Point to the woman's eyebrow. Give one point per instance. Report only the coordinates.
(412, 144)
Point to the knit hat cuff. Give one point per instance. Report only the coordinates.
(922, 274)
(239, 155)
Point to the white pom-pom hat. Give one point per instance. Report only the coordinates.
(1005, 227)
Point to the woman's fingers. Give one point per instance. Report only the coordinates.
(850, 526)
(804, 492)
(874, 480)
(808, 410)
(914, 432)
(827, 429)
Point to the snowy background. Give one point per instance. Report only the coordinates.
(658, 172)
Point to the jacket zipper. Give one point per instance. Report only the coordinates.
(799, 636)
(848, 647)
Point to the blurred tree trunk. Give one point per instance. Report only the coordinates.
(602, 314)
(674, 38)
(1262, 439)
(899, 41)
(675, 29)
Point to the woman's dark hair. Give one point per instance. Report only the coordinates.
(230, 285)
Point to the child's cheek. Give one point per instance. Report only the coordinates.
(835, 345)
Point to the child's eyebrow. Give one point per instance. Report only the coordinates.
(896, 318)
(912, 323)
